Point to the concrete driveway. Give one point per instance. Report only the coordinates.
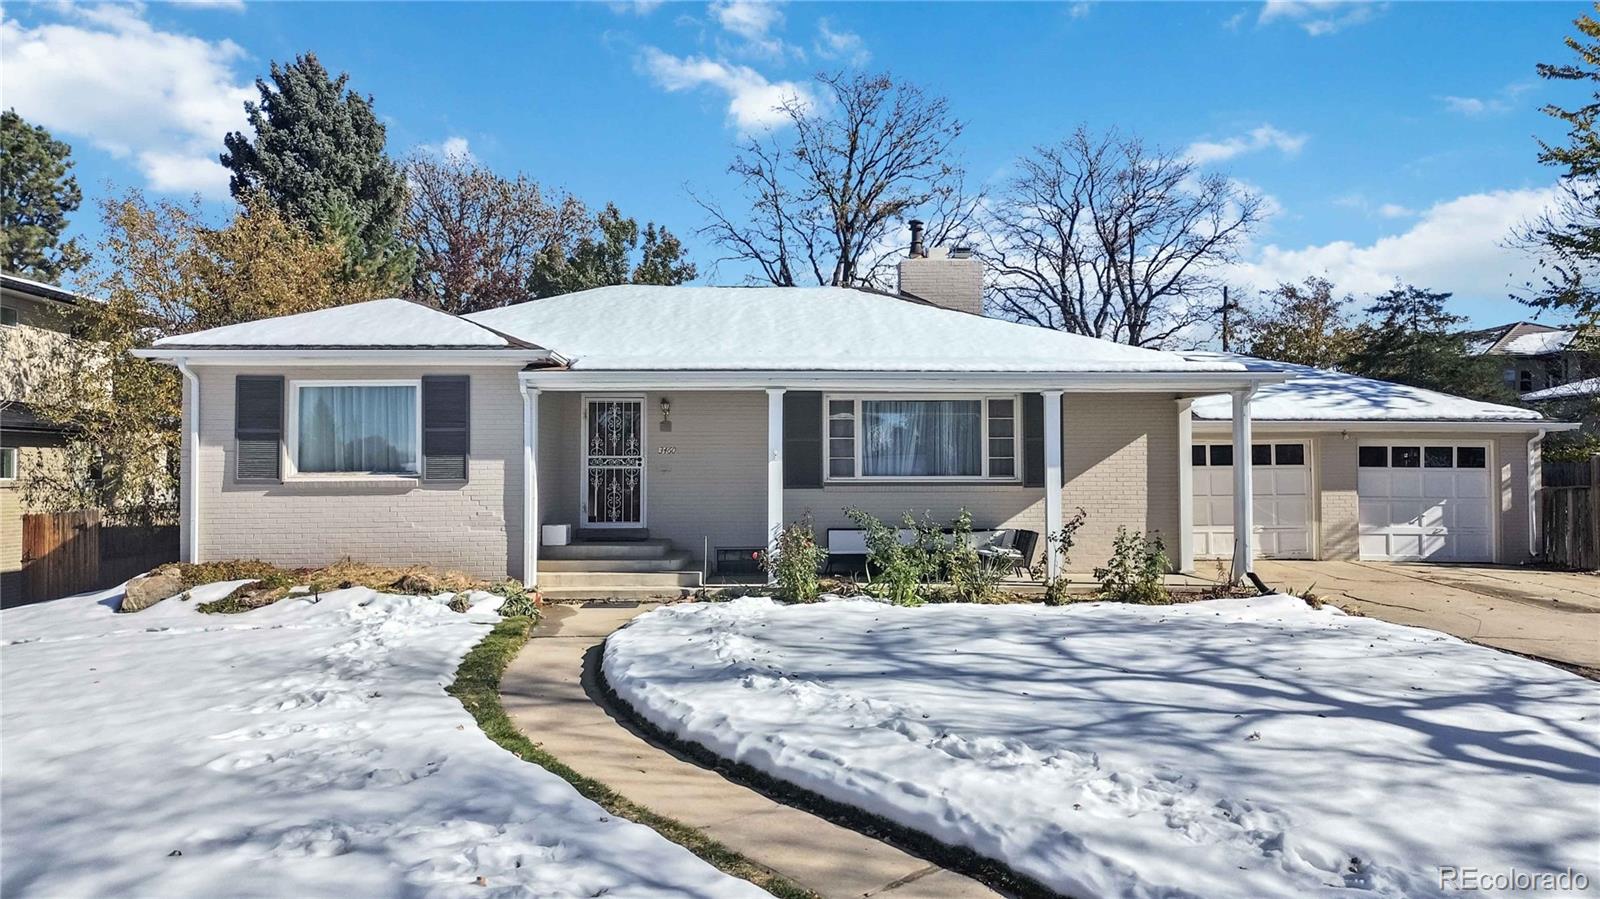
(1550, 614)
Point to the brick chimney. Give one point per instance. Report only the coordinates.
(952, 279)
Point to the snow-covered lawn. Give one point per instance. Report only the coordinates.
(1247, 748)
(303, 749)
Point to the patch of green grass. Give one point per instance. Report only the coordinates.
(477, 686)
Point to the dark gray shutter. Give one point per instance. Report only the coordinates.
(802, 438)
(446, 421)
(258, 426)
(1032, 440)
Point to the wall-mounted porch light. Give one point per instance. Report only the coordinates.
(666, 414)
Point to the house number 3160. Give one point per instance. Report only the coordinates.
(666, 451)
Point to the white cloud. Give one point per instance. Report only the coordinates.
(1456, 246)
(843, 45)
(453, 147)
(1396, 211)
(1501, 101)
(752, 21)
(1257, 139)
(753, 101)
(635, 7)
(1319, 17)
(159, 99)
(230, 5)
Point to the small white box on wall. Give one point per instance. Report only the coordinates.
(557, 534)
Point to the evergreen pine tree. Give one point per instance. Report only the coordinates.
(37, 192)
(318, 153)
(1410, 338)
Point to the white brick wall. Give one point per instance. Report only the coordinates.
(475, 527)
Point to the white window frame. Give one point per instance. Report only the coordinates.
(983, 406)
(291, 441)
(16, 460)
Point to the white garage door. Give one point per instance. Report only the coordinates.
(1281, 484)
(1425, 501)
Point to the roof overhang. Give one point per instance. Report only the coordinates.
(1198, 383)
(1388, 426)
(446, 356)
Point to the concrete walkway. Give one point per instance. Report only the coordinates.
(549, 693)
(1550, 614)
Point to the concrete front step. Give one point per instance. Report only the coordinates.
(606, 591)
(632, 549)
(591, 578)
(674, 562)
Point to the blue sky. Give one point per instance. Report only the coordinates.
(1394, 139)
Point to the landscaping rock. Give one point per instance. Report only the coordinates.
(144, 592)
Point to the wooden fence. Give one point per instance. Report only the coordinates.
(70, 552)
(1569, 516)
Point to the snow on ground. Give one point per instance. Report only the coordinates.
(302, 749)
(1229, 748)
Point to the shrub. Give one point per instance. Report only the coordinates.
(794, 561)
(1137, 569)
(900, 568)
(972, 577)
(1060, 543)
(517, 602)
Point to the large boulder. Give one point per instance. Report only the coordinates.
(144, 592)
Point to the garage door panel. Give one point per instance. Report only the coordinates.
(1439, 514)
(1281, 513)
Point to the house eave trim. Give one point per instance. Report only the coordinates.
(1197, 383)
(353, 356)
(1220, 426)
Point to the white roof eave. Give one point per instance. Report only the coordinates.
(1194, 382)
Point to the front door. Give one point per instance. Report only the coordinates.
(613, 462)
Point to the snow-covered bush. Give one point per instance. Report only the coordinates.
(794, 561)
(1137, 569)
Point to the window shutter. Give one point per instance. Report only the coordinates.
(802, 438)
(258, 426)
(1032, 440)
(446, 420)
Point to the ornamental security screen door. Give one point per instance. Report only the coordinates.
(613, 462)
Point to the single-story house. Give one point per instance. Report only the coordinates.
(670, 427)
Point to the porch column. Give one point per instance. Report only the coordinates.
(530, 485)
(1243, 488)
(1052, 478)
(774, 469)
(1185, 486)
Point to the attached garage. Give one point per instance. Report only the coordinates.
(1425, 502)
(1349, 468)
(1282, 487)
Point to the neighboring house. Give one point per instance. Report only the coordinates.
(702, 418)
(33, 317)
(1536, 357)
(1354, 468)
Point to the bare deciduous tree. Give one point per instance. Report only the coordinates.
(1100, 235)
(478, 236)
(823, 198)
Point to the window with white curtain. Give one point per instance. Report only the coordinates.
(357, 427)
(889, 437)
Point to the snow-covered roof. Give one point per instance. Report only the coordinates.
(1538, 343)
(1574, 390)
(39, 289)
(642, 327)
(1317, 394)
(385, 324)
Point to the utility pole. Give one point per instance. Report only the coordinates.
(1228, 307)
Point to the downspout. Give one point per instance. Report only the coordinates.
(1535, 485)
(189, 486)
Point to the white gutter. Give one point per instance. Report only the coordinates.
(443, 356)
(1319, 425)
(1188, 382)
(190, 484)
